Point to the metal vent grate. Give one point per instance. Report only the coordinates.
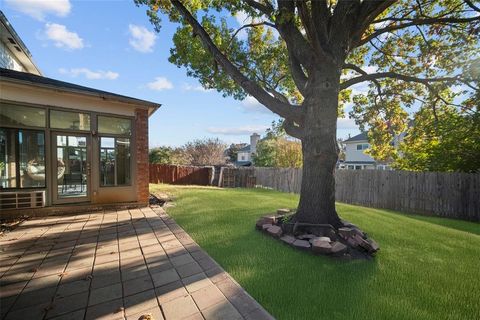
(22, 200)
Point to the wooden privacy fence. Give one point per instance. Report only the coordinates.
(443, 194)
(451, 195)
(172, 174)
(237, 178)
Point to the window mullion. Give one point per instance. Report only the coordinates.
(116, 159)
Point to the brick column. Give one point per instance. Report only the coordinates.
(141, 149)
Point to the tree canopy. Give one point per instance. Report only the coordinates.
(410, 53)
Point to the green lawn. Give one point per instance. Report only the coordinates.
(427, 268)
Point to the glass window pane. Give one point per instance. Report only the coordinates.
(123, 161)
(107, 167)
(107, 142)
(74, 141)
(31, 146)
(62, 141)
(69, 120)
(8, 166)
(14, 115)
(114, 125)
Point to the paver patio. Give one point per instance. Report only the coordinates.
(114, 265)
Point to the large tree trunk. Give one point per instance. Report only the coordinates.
(320, 152)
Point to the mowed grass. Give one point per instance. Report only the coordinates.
(427, 268)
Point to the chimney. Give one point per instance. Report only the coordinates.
(253, 142)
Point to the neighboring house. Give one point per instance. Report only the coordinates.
(355, 156)
(245, 155)
(65, 146)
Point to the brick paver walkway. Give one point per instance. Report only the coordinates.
(114, 265)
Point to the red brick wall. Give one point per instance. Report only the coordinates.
(141, 143)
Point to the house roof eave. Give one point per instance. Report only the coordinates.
(23, 78)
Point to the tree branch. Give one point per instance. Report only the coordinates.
(321, 18)
(471, 5)
(250, 25)
(298, 75)
(364, 73)
(415, 22)
(394, 75)
(294, 39)
(292, 129)
(267, 9)
(283, 109)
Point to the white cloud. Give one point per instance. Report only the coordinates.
(250, 104)
(243, 130)
(89, 74)
(141, 39)
(189, 87)
(38, 9)
(62, 37)
(160, 83)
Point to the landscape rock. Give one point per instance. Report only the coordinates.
(367, 244)
(261, 222)
(321, 246)
(306, 236)
(288, 239)
(358, 232)
(275, 231)
(327, 239)
(338, 248)
(346, 233)
(266, 226)
(352, 242)
(331, 234)
(374, 245)
(301, 244)
(272, 219)
(283, 211)
(348, 224)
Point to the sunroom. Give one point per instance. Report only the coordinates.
(65, 145)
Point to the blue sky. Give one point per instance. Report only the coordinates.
(111, 45)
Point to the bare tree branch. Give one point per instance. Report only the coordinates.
(283, 109)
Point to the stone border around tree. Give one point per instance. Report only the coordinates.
(348, 242)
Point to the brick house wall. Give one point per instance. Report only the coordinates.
(141, 143)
